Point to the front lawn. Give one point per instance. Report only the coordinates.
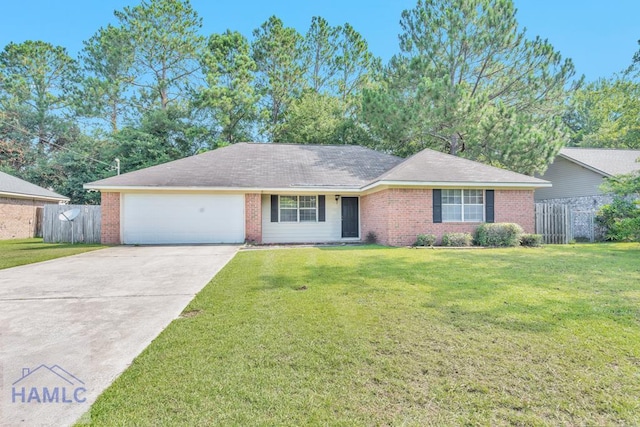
(378, 336)
(26, 251)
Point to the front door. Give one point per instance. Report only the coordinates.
(350, 226)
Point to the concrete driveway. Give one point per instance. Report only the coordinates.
(70, 326)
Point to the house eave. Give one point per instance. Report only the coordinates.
(586, 166)
(456, 184)
(23, 196)
(202, 189)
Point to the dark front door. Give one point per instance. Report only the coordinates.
(350, 227)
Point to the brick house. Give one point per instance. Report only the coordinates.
(19, 203)
(287, 193)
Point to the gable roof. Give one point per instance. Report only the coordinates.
(13, 187)
(251, 166)
(429, 166)
(255, 165)
(605, 161)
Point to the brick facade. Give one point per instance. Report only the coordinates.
(110, 218)
(253, 217)
(18, 218)
(516, 206)
(395, 215)
(398, 215)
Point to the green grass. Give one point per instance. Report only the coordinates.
(378, 336)
(27, 251)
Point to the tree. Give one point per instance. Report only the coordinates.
(229, 95)
(277, 52)
(314, 118)
(86, 159)
(320, 48)
(108, 60)
(167, 48)
(469, 83)
(162, 136)
(621, 218)
(37, 80)
(606, 113)
(354, 65)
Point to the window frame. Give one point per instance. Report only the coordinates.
(462, 204)
(298, 208)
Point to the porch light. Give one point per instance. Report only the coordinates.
(337, 197)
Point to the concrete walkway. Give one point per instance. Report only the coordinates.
(70, 326)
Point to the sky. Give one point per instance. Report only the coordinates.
(600, 36)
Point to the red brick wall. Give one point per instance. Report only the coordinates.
(516, 206)
(374, 216)
(18, 218)
(253, 217)
(110, 218)
(398, 215)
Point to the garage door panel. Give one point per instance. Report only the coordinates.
(183, 218)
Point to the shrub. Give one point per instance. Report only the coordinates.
(531, 240)
(499, 234)
(425, 240)
(371, 238)
(620, 219)
(456, 239)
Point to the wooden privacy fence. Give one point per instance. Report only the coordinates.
(86, 227)
(553, 221)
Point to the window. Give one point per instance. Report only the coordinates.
(298, 208)
(462, 206)
(308, 208)
(288, 208)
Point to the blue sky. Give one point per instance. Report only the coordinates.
(599, 35)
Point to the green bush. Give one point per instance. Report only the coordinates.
(620, 219)
(531, 240)
(456, 239)
(498, 234)
(425, 240)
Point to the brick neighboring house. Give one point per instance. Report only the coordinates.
(19, 203)
(577, 174)
(287, 193)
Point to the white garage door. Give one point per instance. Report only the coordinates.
(182, 218)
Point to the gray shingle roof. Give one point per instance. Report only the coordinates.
(434, 166)
(12, 186)
(604, 160)
(279, 166)
(251, 165)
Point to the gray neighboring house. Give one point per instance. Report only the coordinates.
(576, 175)
(19, 203)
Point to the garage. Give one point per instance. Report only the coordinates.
(153, 218)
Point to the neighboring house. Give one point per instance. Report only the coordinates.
(286, 193)
(19, 203)
(577, 174)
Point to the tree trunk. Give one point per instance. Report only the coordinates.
(454, 144)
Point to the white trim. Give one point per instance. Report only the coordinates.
(449, 184)
(32, 197)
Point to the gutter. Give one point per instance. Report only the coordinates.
(33, 197)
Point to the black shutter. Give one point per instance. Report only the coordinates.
(321, 208)
(489, 215)
(274, 208)
(437, 206)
